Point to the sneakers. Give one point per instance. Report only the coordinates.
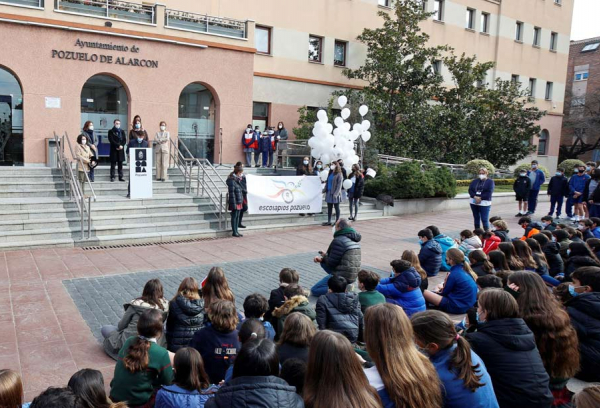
(519, 214)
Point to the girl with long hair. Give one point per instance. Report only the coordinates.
(413, 258)
(579, 255)
(186, 314)
(403, 376)
(541, 262)
(356, 191)
(191, 386)
(480, 263)
(143, 366)
(508, 249)
(498, 261)
(550, 323)
(11, 390)
(137, 129)
(524, 253)
(294, 342)
(88, 384)
(216, 287)
(334, 375)
(305, 168)
(333, 191)
(459, 292)
(463, 375)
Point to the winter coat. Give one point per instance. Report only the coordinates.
(508, 349)
(550, 227)
(340, 312)
(287, 351)
(555, 261)
(564, 247)
(173, 396)
(491, 244)
(460, 291)
(358, 187)
(485, 187)
(249, 142)
(521, 186)
(334, 195)
(404, 290)
(236, 192)
(83, 155)
(575, 262)
(558, 186)
(540, 179)
(503, 235)
(587, 234)
(127, 327)
(265, 145)
(298, 304)
(276, 299)
(116, 138)
(446, 243)
(343, 256)
(577, 183)
(430, 257)
(584, 311)
(470, 244)
(256, 392)
(530, 231)
(478, 269)
(186, 317)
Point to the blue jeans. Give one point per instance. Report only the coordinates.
(265, 158)
(594, 210)
(481, 215)
(558, 202)
(321, 287)
(256, 157)
(569, 207)
(532, 201)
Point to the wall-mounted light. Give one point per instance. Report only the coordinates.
(108, 24)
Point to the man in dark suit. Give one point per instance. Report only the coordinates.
(136, 143)
(118, 140)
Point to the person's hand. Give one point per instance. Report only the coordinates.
(439, 287)
(477, 200)
(576, 194)
(318, 259)
(513, 286)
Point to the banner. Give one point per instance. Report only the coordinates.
(140, 172)
(284, 194)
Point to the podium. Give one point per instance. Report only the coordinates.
(140, 172)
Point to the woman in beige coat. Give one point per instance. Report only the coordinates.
(84, 156)
(161, 152)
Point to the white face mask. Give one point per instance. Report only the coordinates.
(271, 132)
(91, 127)
(118, 125)
(280, 126)
(332, 167)
(305, 162)
(482, 176)
(83, 142)
(523, 174)
(163, 127)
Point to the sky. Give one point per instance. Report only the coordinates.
(585, 23)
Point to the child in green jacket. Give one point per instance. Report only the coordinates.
(368, 296)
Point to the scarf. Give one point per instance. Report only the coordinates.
(344, 231)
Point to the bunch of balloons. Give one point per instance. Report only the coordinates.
(329, 144)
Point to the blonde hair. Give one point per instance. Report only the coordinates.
(11, 389)
(589, 397)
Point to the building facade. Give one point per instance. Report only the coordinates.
(581, 133)
(210, 67)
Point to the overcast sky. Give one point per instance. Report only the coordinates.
(585, 23)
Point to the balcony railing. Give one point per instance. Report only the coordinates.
(114, 9)
(205, 24)
(24, 3)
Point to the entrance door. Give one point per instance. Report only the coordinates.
(11, 120)
(196, 122)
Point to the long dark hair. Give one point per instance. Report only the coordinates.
(189, 370)
(88, 384)
(479, 256)
(524, 253)
(216, 287)
(508, 249)
(256, 359)
(150, 326)
(433, 326)
(536, 248)
(498, 260)
(153, 293)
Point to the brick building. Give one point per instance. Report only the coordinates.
(581, 132)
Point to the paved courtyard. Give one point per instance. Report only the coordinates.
(47, 309)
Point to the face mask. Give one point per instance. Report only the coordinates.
(271, 132)
(523, 226)
(163, 128)
(482, 176)
(421, 242)
(558, 173)
(534, 166)
(572, 291)
(588, 168)
(118, 125)
(581, 227)
(568, 252)
(305, 162)
(523, 174)
(91, 127)
(83, 142)
(248, 130)
(139, 139)
(319, 166)
(576, 171)
(280, 126)
(333, 230)
(422, 350)
(138, 125)
(553, 239)
(493, 229)
(332, 167)
(477, 318)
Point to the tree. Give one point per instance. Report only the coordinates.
(308, 117)
(582, 120)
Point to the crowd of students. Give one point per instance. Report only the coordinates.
(265, 143)
(532, 323)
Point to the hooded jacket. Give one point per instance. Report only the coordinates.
(173, 396)
(491, 244)
(446, 243)
(403, 290)
(256, 392)
(521, 186)
(508, 349)
(503, 235)
(340, 312)
(343, 256)
(584, 311)
(470, 244)
(430, 257)
(555, 261)
(185, 318)
(295, 304)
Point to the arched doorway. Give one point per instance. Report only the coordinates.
(11, 120)
(197, 110)
(104, 99)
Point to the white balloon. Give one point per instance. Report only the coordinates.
(347, 126)
(347, 184)
(356, 158)
(322, 134)
(366, 136)
(329, 128)
(345, 113)
(353, 135)
(319, 125)
(315, 153)
(336, 153)
(363, 110)
(337, 132)
(342, 101)
(365, 125)
(339, 122)
(325, 158)
(358, 127)
(311, 142)
(324, 174)
(322, 116)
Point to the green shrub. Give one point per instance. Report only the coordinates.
(497, 182)
(474, 166)
(444, 183)
(527, 166)
(569, 165)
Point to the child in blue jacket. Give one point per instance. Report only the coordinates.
(576, 188)
(403, 288)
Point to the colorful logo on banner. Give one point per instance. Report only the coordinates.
(286, 190)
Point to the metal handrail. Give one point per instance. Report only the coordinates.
(87, 178)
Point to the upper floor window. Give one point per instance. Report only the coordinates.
(543, 142)
(438, 9)
(558, 2)
(485, 22)
(590, 47)
(532, 83)
(470, 23)
(549, 86)
(262, 39)
(519, 31)
(315, 48)
(514, 79)
(537, 34)
(437, 67)
(553, 41)
(581, 75)
(339, 53)
(384, 3)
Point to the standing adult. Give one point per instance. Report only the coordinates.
(236, 198)
(136, 143)
(118, 141)
(282, 134)
(538, 178)
(480, 191)
(161, 151)
(248, 141)
(84, 156)
(244, 193)
(356, 191)
(591, 193)
(137, 129)
(333, 192)
(92, 142)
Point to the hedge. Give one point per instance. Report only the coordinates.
(473, 166)
(408, 180)
(527, 166)
(498, 182)
(569, 165)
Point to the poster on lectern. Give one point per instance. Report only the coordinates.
(284, 194)
(140, 172)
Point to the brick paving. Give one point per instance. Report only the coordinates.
(46, 338)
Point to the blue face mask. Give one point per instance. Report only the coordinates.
(558, 173)
(572, 291)
(421, 243)
(568, 252)
(139, 139)
(477, 318)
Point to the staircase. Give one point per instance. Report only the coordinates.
(36, 213)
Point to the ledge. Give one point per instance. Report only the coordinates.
(438, 21)
(519, 41)
(484, 33)
(470, 30)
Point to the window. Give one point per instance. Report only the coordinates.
(581, 76)
(485, 23)
(536, 36)
(438, 9)
(315, 48)
(514, 79)
(543, 143)
(559, 2)
(260, 115)
(437, 67)
(470, 23)
(384, 3)
(262, 39)
(549, 86)
(553, 41)
(339, 53)
(424, 5)
(590, 47)
(532, 82)
(519, 31)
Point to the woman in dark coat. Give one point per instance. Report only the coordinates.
(305, 168)
(137, 129)
(480, 191)
(118, 140)
(186, 315)
(236, 198)
(333, 192)
(356, 191)
(579, 255)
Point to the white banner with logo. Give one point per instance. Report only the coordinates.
(140, 172)
(284, 194)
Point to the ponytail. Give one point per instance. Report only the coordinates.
(137, 356)
(461, 360)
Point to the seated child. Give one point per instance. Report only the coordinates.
(368, 296)
(295, 301)
(255, 307)
(402, 288)
(339, 311)
(287, 276)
